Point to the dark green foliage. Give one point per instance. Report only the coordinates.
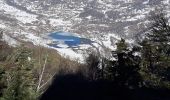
(121, 46)
(124, 71)
(160, 29)
(155, 52)
(127, 67)
(1, 35)
(2, 85)
(19, 79)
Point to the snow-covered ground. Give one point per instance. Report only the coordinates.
(2, 26)
(21, 16)
(102, 21)
(76, 53)
(10, 40)
(69, 53)
(56, 22)
(64, 51)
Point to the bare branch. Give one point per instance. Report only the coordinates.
(41, 75)
(46, 82)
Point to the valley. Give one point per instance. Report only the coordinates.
(103, 22)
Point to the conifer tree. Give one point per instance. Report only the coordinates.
(20, 81)
(2, 82)
(155, 51)
(121, 46)
(127, 66)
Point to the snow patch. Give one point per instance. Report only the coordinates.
(67, 34)
(10, 41)
(2, 26)
(146, 2)
(68, 52)
(20, 15)
(56, 22)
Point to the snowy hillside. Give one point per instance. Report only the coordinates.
(101, 21)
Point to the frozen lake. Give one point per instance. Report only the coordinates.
(67, 39)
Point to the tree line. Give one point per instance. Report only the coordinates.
(146, 64)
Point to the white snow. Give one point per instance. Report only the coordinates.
(108, 42)
(136, 18)
(166, 1)
(56, 22)
(95, 44)
(146, 2)
(137, 54)
(84, 46)
(31, 38)
(89, 17)
(22, 16)
(10, 41)
(67, 34)
(64, 51)
(2, 26)
(62, 45)
(62, 40)
(69, 53)
(130, 41)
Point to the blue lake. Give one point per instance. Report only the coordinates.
(69, 39)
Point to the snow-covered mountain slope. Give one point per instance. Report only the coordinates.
(102, 21)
